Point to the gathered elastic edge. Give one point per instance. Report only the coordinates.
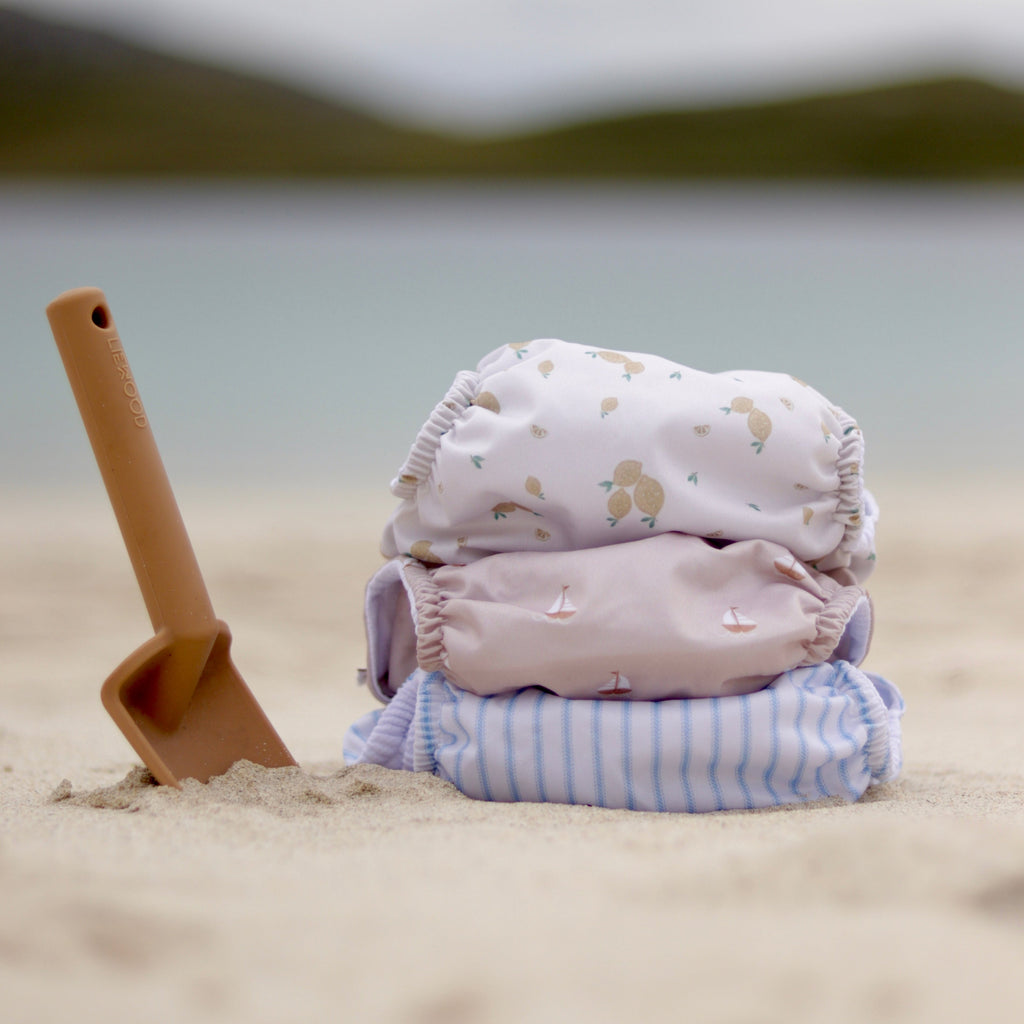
(430, 691)
(428, 603)
(894, 708)
(417, 465)
(882, 751)
(850, 510)
(831, 622)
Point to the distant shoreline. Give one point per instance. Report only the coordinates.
(79, 104)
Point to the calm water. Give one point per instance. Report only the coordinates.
(296, 333)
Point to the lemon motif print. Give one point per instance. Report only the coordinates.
(534, 488)
(505, 508)
(421, 550)
(608, 405)
(627, 473)
(631, 367)
(758, 421)
(545, 368)
(761, 427)
(620, 504)
(648, 495)
(519, 347)
(487, 400)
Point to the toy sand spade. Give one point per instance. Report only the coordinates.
(178, 699)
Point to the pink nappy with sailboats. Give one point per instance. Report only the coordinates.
(668, 616)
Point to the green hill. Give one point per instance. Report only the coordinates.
(949, 129)
(80, 103)
(76, 102)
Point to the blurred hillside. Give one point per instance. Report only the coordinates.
(80, 103)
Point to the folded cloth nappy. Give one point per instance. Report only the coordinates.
(814, 733)
(551, 446)
(669, 616)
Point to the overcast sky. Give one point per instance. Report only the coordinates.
(474, 62)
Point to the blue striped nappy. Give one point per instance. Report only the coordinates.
(830, 730)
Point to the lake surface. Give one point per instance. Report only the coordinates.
(296, 333)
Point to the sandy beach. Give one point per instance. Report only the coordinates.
(325, 892)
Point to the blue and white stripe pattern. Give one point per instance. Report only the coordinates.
(826, 731)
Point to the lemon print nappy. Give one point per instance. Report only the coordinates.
(552, 446)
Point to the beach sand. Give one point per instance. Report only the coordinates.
(322, 892)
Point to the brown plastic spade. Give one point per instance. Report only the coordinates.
(179, 698)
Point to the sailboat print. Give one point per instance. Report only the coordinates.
(736, 622)
(563, 608)
(616, 686)
(790, 567)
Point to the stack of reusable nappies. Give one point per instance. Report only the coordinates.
(618, 581)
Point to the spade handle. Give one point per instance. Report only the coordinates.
(118, 427)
